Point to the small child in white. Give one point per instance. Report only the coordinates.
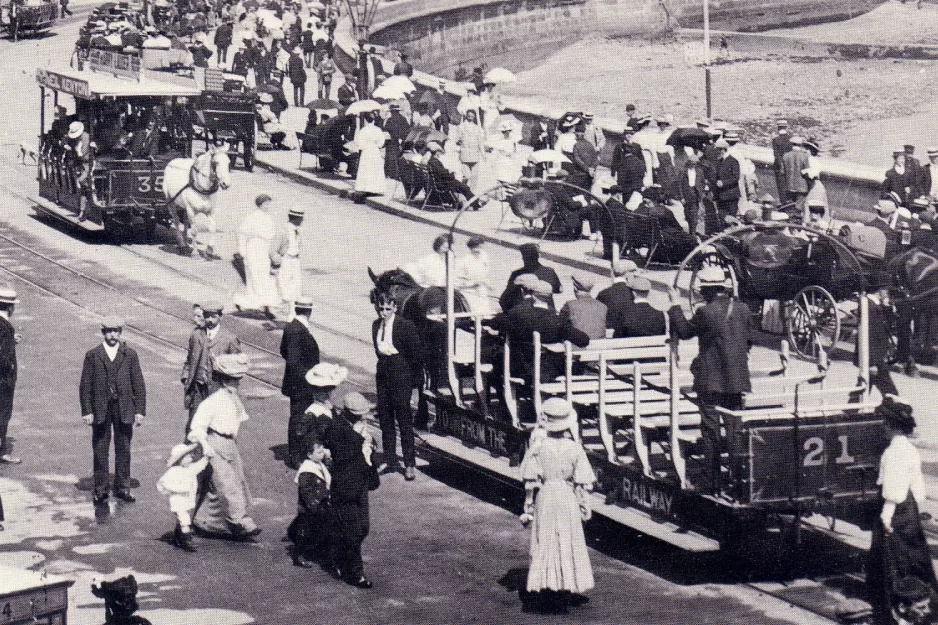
(180, 484)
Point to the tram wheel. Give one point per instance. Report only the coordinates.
(813, 322)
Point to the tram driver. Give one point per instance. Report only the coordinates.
(723, 326)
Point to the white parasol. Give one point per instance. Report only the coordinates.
(388, 92)
(499, 76)
(402, 83)
(362, 106)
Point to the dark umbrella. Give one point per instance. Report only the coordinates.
(322, 105)
(693, 137)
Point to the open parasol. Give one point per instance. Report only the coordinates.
(362, 106)
(315, 6)
(401, 83)
(548, 156)
(500, 76)
(322, 105)
(388, 92)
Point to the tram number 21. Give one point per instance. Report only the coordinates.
(148, 184)
(816, 455)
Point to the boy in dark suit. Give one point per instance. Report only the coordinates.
(113, 396)
(205, 344)
(400, 369)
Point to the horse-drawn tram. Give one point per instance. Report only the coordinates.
(101, 164)
(802, 451)
(19, 18)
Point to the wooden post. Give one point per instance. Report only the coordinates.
(677, 454)
(639, 437)
(605, 433)
(863, 344)
(536, 377)
(477, 360)
(451, 328)
(511, 403)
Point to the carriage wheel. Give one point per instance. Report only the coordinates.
(813, 322)
(710, 260)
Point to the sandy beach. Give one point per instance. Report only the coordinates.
(860, 109)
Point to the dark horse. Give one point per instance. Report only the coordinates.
(914, 276)
(415, 302)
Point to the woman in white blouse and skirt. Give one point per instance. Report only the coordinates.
(223, 507)
(898, 556)
(370, 140)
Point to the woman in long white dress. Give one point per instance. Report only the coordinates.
(257, 238)
(557, 477)
(472, 277)
(500, 162)
(370, 140)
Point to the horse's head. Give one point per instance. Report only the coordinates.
(395, 283)
(220, 165)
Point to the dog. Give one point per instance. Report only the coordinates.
(30, 151)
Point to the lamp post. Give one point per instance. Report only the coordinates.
(706, 21)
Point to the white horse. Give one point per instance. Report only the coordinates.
(191, 184)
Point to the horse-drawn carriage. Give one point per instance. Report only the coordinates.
(131, 151)
(19, 18)
(802, 447)
(229, 116)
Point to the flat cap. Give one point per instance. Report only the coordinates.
(583, 282)
(640, 283)
(623, 267)
(212, 306)
(356, 403)
(112, 322)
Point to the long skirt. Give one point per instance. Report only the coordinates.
(370, 177)
(290, 280)
(894, 556)
(227, 498)
(260, 288)
(559, 559)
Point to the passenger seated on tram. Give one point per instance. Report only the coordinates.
(146, 142)
(638, 317)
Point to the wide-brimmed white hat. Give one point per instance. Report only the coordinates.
(712, 276)
(326, 374)
(75, 129)
(232, 365)
(179, 451)
(558, 415)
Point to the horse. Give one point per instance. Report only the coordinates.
(914, 275)
(415, 302)
(190, 184)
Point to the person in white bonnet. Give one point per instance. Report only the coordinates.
(180, 484)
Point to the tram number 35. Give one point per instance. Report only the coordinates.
(816, 456)
(148, 184)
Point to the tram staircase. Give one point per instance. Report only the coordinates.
(636, 405)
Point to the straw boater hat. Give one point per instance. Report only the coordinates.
(297, 211)
(712, 276)
(232, 365)
(932, 151)
(885, 207)
(558, 415)
(8, 296)
(112, 322)
(75, 129)
(527, 281)
(304, 302)
(543, 289)
(178, 452)
(326, 374)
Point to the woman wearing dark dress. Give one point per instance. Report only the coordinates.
(900, 577)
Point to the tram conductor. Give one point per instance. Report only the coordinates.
(723, 326)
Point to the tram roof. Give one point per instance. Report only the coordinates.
(88, 84)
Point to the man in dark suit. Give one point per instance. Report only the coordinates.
(400, 369)
(640, 318)
(348, 92)
(727, 186)
(204, 345)
(721, 370)
(781, 145)
(612, 222)
(403, 68)
(693, 187)
(444, 178)
(348, 491)
(223, 38)
(628, 166)
(619, 296)
(397, 126)
(530, 255)
(8, 340)
(300, 352)
(929, 186)
(113, 397)
(543, 134)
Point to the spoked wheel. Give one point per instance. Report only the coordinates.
(813, 322)
(710, 260)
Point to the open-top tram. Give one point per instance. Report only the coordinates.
(804, 445)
